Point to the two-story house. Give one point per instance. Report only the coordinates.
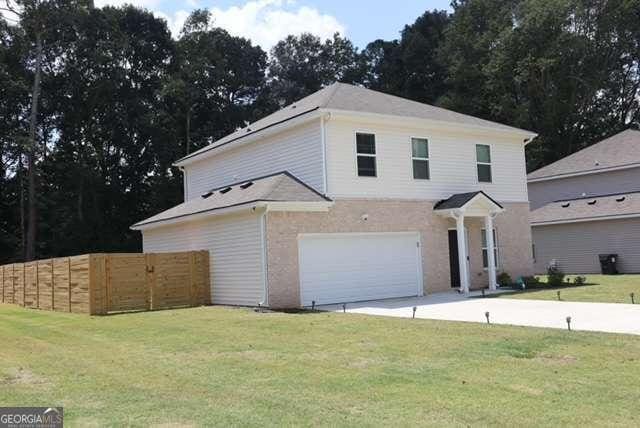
(588, 204)
(349, 195)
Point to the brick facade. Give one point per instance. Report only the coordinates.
(346, 216)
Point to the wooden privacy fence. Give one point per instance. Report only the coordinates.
(99, 284)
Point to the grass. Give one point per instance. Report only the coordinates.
(598, 288)
(217, 366)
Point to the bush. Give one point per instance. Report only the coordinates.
(555, 276)
(531, 281)
(579, 280)
(504, 279)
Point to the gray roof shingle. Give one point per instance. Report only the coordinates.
(584, 209)
(459, 200)
(279, 187)
(345, 97)
(619, 150)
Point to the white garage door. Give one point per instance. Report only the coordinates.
(350, 267)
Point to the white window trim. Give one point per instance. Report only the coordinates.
(496, 249)
(490, 163)
(357, 154)
(428, 158)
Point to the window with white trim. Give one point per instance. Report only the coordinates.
(485, 250)
(420, 158)
(483, 163)
(366, 154)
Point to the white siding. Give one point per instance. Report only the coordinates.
(235, 250)
(576, 246)
(452, 163)
(298, 151)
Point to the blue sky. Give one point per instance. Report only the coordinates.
(267, 21)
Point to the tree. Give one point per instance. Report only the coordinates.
(411, 67)
(214, 81)
(301, 65)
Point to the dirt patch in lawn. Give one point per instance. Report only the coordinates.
(22, 376)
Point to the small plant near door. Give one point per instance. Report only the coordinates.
(504, 279)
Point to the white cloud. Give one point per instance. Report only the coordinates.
(266, 22)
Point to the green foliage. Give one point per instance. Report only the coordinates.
(504, 279)
(579, 280)
(531, 281)
(555, 276)
(122, 100)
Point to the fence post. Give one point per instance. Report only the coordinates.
(150, 261)
(69, 265)
(24, 285)
(37, 287)
(2, 278)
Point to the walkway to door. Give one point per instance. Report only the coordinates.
(452, 306)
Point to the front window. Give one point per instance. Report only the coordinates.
(483, 160)
(420, 158)
(485, 251)
(366, 154)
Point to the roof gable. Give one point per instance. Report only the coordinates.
(620, 150)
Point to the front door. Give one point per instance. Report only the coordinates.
(454, 264)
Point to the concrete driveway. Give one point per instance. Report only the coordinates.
(605, 317)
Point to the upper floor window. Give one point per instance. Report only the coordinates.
(366, 154)
(483, 161)
(420, 158)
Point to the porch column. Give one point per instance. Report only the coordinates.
(491, 258)
(462, 253)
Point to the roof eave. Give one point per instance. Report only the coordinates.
(253, 206)
(584, 219)
(527, 136)
(581, 173)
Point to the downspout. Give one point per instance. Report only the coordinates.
(185, 188)
(265, 277)
(323, 137)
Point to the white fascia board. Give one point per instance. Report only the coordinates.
(450, 127)
(586, 219)
(315, 206)
(580, 173)
(259, 134)
(249, 207)
(319, 206)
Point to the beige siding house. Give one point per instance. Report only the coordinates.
(349, 195)
(588, 204)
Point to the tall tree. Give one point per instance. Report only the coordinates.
(301, 65)
(214, 81)
(411, 67)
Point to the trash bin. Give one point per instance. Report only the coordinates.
(608, 264)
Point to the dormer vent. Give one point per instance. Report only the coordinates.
(621, 199)
(225, 190)
(566, 205)
(206, 195)
(592, 202)
(246, 185)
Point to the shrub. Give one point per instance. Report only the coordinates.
(579, 280)
(504, 279)
(555, 276)
(531, 281)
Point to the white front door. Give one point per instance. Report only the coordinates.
(350, 267)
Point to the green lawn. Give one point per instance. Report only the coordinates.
(220, 366)
(598, 288)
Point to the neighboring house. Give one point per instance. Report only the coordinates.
(588, 204)
(350, 194)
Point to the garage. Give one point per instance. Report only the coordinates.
(350, 267)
